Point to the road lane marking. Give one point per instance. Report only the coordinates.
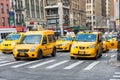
(3, 57)
(23, 64)
(113, 56)
(57, 64)
(1, 62)
(43, 63)
(73, 65)
(91, 65)
(116, 76)
(10, 63)
(117, 72)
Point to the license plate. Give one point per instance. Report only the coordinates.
(22, 54)
(81, 52)
(5, 48)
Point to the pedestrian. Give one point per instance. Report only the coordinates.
(118, 46)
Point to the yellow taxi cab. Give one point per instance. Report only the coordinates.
(35, 45)
(112, 42)
(64, 43)
(87, 45)
(7, 45)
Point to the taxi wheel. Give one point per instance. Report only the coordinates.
(53, 52)
(72, 57)
(17, 59)
(97, 55)
(39, 55)
(4, 52)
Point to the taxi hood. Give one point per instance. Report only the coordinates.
(9, 41)
(62, 42)
(26, 46)
(85, 44)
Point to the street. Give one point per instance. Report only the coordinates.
(60, 67)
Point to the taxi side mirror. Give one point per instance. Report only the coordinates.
(44, 42)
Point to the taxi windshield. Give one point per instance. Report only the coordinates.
(13, 37)
(66, 39)
(109, 37)
(31, 39)
(86, 37)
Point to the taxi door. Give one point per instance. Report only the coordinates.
(112, 43)
(50, 44)
(44, 46)
(100, 43)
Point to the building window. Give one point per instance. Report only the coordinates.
(7, 8)
(2, 8)
(27, 4)
(33, 14)
(28, 13)
(38, 15)
(3, 21)
(42, 9)
(32, 4)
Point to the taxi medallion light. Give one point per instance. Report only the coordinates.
(32, 49)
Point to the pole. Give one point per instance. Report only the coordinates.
(56, 27)
(119, 14)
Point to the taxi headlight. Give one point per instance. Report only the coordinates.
(64, 44)
(15, 49)
(92, 46)
(13, 44)
(32, 49)
(73, 46)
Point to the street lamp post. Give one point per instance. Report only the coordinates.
(57, 26)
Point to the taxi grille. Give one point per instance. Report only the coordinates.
(23, 50)
(59, 45)
(82, 47)
(7, 44)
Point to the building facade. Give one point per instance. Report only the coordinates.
(29, 13)
(4, 13)
(57, 14)
(94, 13)
(77, 12)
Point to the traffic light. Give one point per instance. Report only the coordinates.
(66, 18)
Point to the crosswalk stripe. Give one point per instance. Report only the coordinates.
(113, 55)
(73, 65)
(57, 64)
(116, 76)
(43, 63)
(91, 65)
(23, 64)
(114, 79)
(9, 63)
(1, 59)
(1, 62)
(117, 72)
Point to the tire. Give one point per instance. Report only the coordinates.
(72, 57)
(4, 52)
(96, 56)
(53, 54)
(39, 55)
(17, 59)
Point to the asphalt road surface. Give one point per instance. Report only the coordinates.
(60, 67)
